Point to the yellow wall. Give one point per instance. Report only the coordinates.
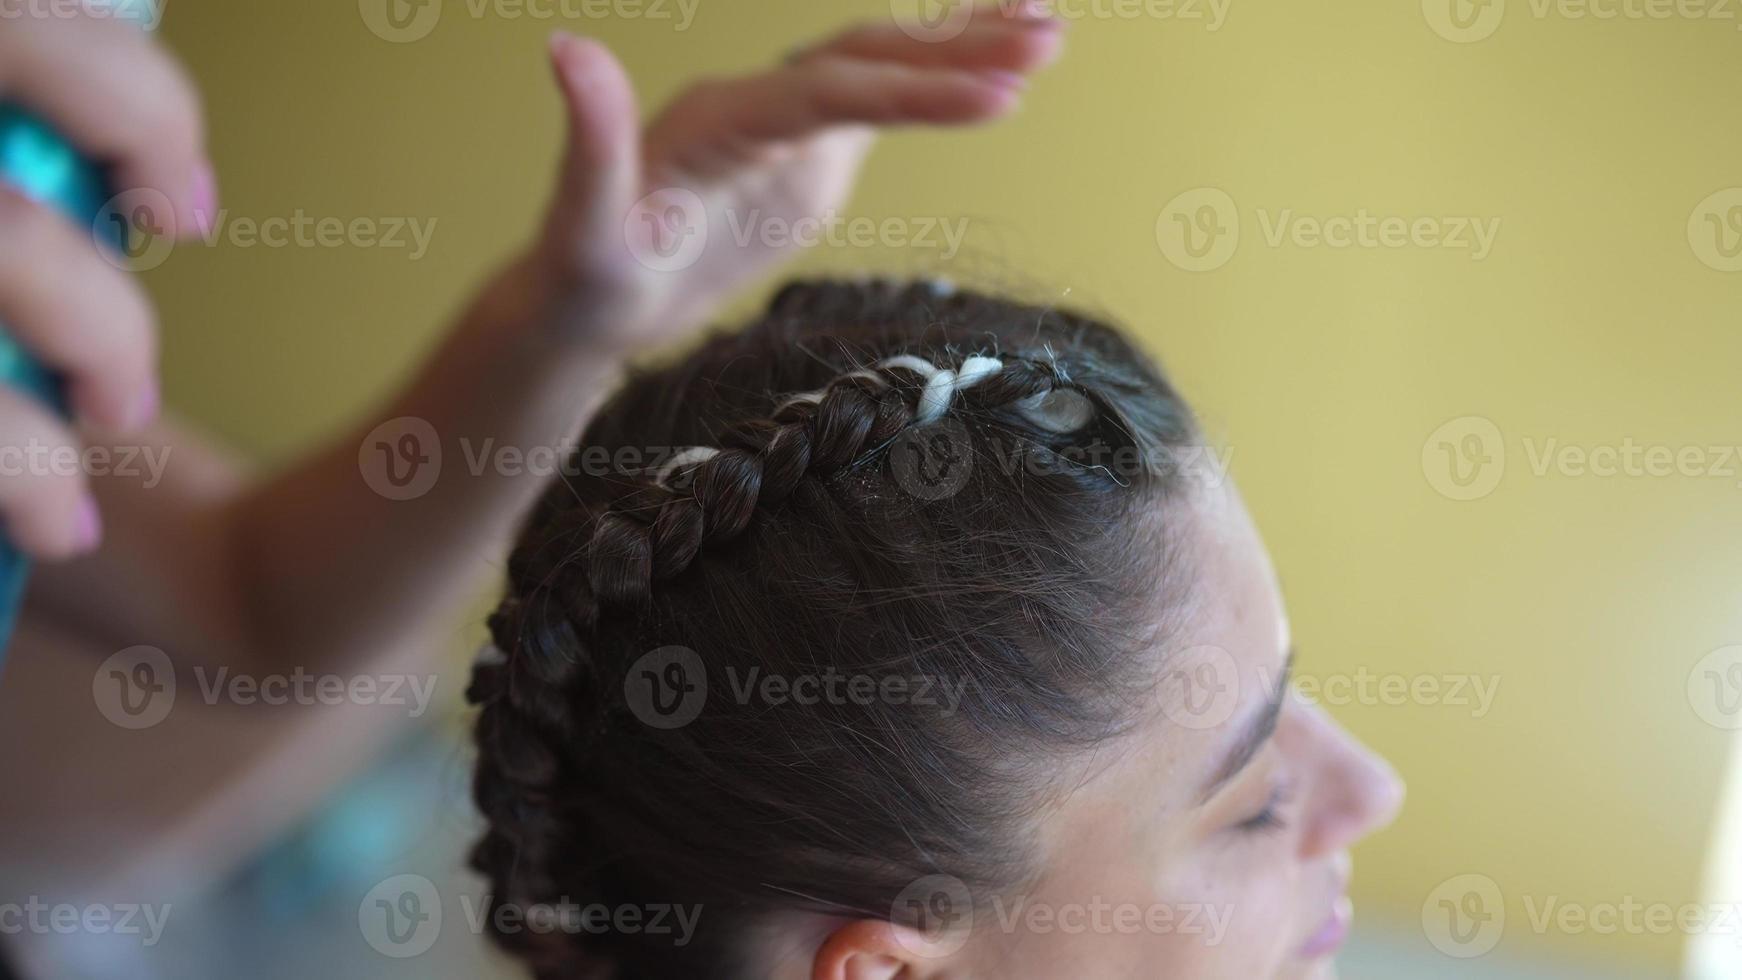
(1593, 321)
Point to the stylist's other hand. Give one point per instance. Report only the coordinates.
(764, 150)
(126, 103)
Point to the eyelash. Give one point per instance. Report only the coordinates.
(1269, 819)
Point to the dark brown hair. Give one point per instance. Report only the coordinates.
(1024, 570)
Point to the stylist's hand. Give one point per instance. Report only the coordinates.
(774, 147)
(123, 101)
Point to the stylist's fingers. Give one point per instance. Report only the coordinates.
(45, 504)
(994, 41)
(803, 99)
(78, 313)
(602, 169)
(120, 98)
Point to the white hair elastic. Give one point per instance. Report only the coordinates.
(941, 384)
(1058, 411)
(693, 456)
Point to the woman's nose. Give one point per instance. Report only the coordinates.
(1355, 792)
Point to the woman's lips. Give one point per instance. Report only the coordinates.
(1333, 932)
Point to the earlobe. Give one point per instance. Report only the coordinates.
(868, 949)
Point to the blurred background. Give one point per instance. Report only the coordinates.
(1457, 285)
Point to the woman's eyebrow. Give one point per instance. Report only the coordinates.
(1257, 732)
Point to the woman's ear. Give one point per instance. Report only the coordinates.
(871, 949)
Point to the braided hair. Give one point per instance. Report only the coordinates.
(803, 505)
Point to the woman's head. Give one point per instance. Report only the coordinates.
(852, 634)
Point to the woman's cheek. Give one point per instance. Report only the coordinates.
(1245, 904)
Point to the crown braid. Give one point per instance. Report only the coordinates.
(585, 567)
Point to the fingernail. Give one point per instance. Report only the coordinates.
(560, 42)
(88, 524)
(149, 404)
(205, 198)
(1006, 79)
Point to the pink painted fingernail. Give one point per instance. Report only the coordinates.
(205, 198)
(561, 43)
(88, 524)
(1006, 79)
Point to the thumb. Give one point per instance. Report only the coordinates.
(602, 170)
